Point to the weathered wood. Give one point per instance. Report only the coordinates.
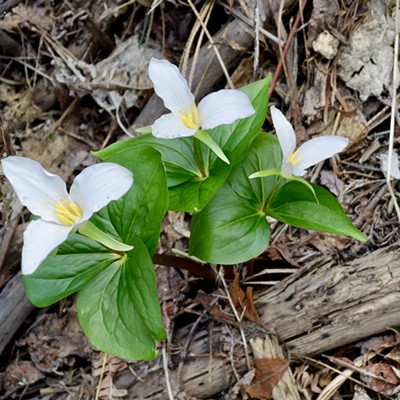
(14, 308)
(324, 307)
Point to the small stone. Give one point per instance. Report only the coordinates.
(326, 45)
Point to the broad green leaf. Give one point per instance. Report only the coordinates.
(232, 228)
(229, 230)
(189, 189)
(77, 261)
(194, 194)
(295, 204)
(177, 155)
(140, 212)
(119, 309)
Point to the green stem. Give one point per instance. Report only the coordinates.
(197, 157)
(266, 203)
(93, 232)
(195, 268)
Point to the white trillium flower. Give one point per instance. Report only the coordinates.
(295, 162)
(60, 212)
(186, 119)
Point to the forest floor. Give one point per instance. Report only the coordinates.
(74, 80)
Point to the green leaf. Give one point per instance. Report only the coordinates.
(177, 155)
(194, 194)
(232, 228)
(119, 308)
(77, 261)
(229, 230)
(236, 138)
(295, 204)
(140, 212)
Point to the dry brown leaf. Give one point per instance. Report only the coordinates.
(278, 251)
(210, 305)
(113, 81)
(23, 15)
(378, 343)
(381, 378)
(269, 371)
(56, 341)
(332, 182)
(243, 301)
(20, 373)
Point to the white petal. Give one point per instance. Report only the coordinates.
(99, 184)
(170, 85)
(170, 126)
(319, 149)
(40, 239)
(224, 107)
(284, 131)
(36, 188)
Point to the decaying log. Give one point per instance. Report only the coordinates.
(15, 307)
(323, 307)
(318, 308)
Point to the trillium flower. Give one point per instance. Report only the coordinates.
(187, 119)
(60, 212)
(296, 161)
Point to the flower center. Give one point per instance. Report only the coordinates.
(67, 212)
(294, 159)
(191, 118)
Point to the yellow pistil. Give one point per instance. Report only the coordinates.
(67, 212)
(293, 159)
(191, 118)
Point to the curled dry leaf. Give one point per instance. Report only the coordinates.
(269, 371)
(243, 301)
(114, 80)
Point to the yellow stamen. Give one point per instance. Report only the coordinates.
(191, 118)
(67, 211)
(293, 159)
